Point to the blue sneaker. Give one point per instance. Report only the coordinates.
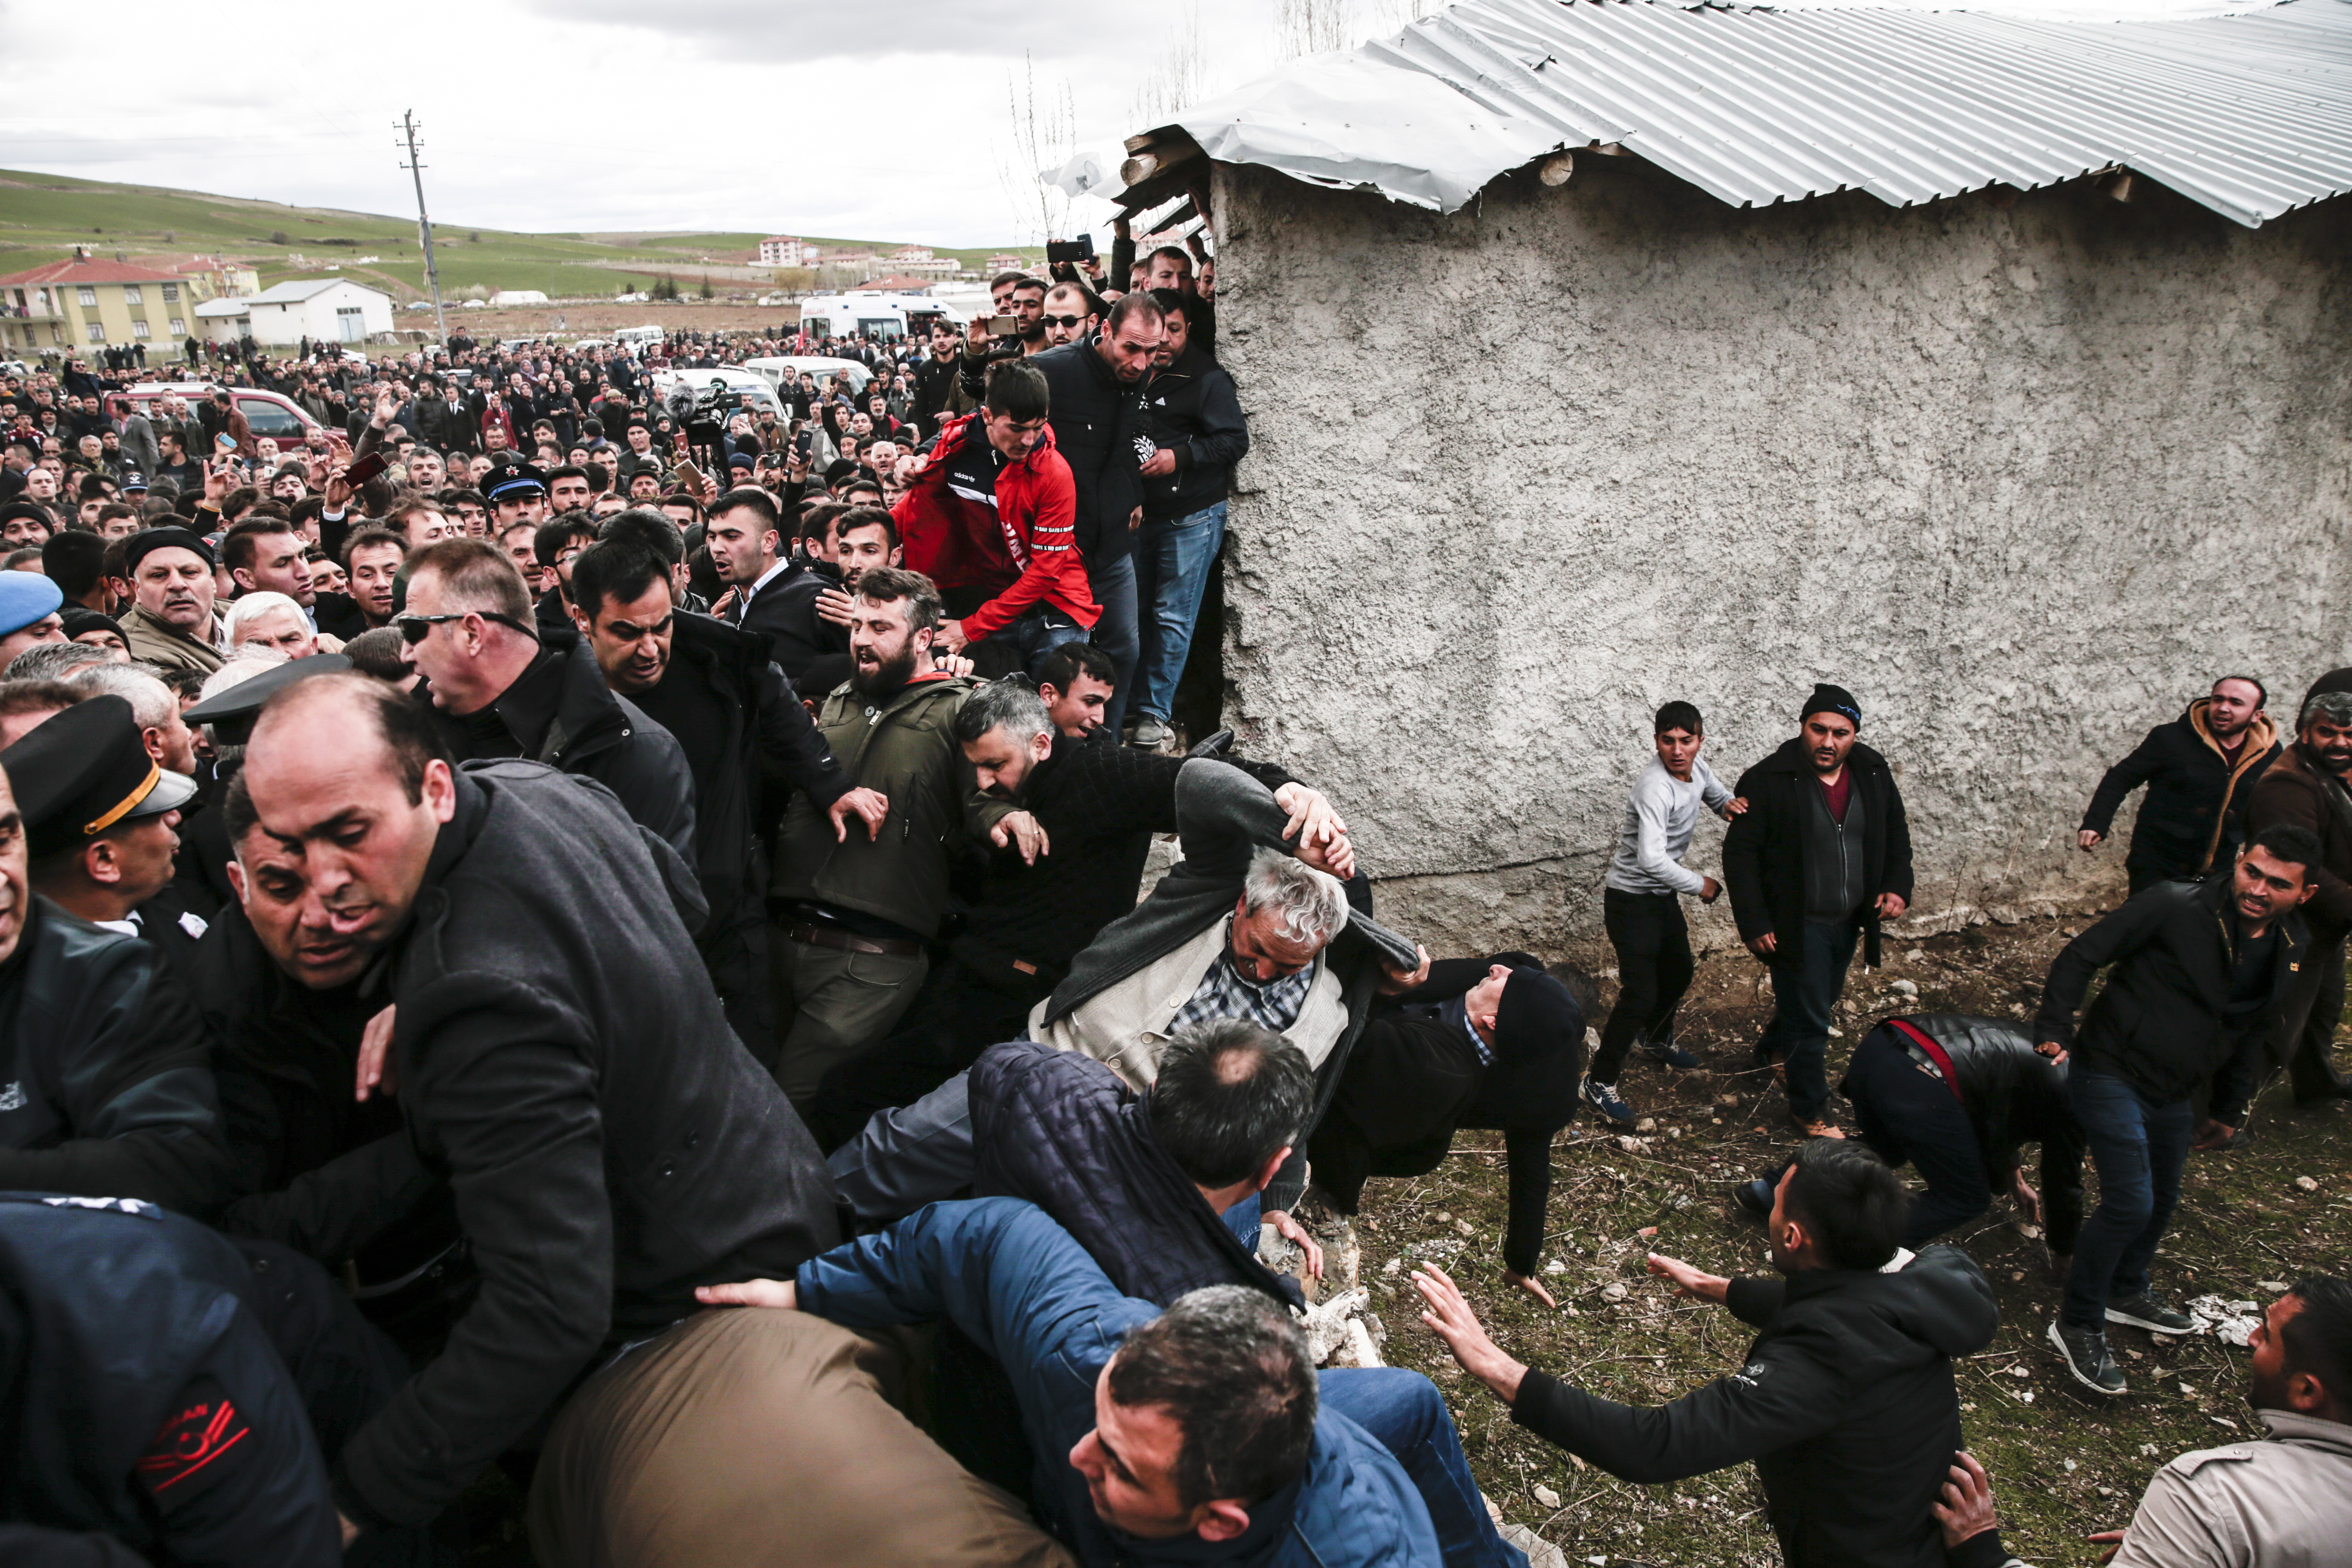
(1668, 1053)
(1755, 1197)
(1602, 1098)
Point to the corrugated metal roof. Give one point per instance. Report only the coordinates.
(2248, 115)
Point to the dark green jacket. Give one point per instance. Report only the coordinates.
(905, 750)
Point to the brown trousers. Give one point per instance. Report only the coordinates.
(760, 1438)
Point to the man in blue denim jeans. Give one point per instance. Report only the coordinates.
(1199, 434)
(2200, 971)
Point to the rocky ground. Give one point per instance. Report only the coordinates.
(2064, 1462)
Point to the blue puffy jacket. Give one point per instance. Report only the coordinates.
(1014, 1281)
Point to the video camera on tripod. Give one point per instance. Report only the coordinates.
(703, 417)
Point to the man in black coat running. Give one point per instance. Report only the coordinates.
(1845, 1400)
(1821, 857)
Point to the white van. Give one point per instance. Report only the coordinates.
(760, 391)
(635, 338)
(780, 369)
(884, 315)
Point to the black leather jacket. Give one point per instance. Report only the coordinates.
(2014, 1096)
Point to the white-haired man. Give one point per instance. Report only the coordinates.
(274, 621)
(1246, 926)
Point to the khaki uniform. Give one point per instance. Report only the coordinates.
(2282, 1503)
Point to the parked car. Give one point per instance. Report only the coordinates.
(267, 413)
(777, 369)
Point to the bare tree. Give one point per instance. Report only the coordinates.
(1045, 137)
(1319, 27)
(1313, 26)
(1180, 74)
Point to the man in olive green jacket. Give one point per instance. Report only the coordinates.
(862, 884)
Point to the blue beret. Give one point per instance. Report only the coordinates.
(26, 597)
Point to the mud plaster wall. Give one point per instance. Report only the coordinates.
(2022, 478)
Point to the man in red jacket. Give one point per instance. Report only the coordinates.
(993, 517)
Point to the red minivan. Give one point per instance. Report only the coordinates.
(269, 414)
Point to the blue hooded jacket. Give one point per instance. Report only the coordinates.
(1015, 1282)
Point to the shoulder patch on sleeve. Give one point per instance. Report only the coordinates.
(200, 1439)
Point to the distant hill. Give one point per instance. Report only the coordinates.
(43, 216)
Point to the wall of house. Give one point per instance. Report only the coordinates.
(2023, 478)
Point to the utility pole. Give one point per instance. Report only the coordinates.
(416, 168)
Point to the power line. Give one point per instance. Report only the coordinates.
(415, 167)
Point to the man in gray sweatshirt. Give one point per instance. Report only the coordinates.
(1641, 903)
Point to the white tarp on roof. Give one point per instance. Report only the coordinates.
(2250, 115)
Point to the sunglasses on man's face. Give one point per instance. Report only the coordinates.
(1065, 323)
(415, 629)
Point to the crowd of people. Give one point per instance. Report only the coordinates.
(552, 929)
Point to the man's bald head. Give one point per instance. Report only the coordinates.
(334, 819)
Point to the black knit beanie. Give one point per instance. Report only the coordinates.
(1827, 698)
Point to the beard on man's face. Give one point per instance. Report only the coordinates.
(872, 682)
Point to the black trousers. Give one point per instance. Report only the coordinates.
(957, 1014)
(1907, 1117)
(1654, 971)
(2306, 1041)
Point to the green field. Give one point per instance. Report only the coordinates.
(43, 216)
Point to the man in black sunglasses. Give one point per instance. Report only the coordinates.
(1070, 314)
(504, 687)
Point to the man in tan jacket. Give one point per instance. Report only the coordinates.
(170, 621)
(2282, 1502)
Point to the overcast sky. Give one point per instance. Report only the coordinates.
(782, 116)
(875, 122)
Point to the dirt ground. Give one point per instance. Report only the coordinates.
(2064, 1462)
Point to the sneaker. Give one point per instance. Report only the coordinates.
(1602, 1098)
(1755, 1197)
(1151, 734)
(1668, 1053)
(2085, 1351)
(2145, 1311)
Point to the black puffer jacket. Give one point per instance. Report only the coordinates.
(2191, 819)
(1846, 1403)
(2013, 1096)
(1061, 1131)
(1764, 853)
(1097, 420)
(2161, 1024)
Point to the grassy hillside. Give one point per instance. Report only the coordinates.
(42, 216)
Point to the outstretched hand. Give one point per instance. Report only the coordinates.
(1695, 1283)
(1449, 1317)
